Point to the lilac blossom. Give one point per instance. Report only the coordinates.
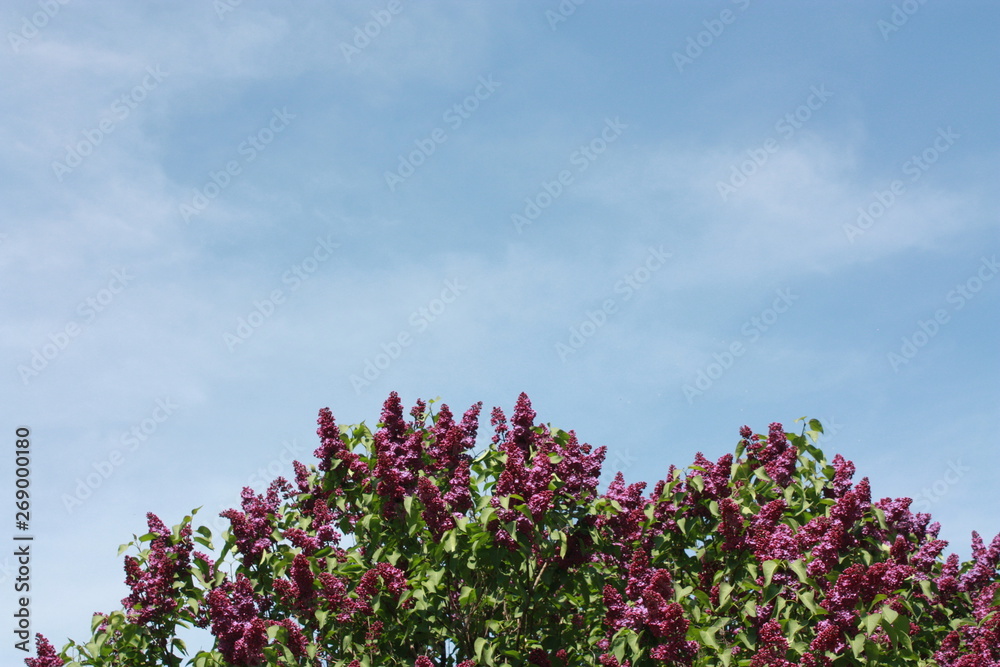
(252, 527)
(152, 596)
(239, 631)
(46, 654)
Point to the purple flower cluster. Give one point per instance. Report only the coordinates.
(322, 530)
(152, 596)
(647, 606)
(762, 527)
(985, 567)
(774, 453)
(624, 527)
(843, 472)
(450, 441)
(731, 527)
(981, 643)
(252, 527)
(772, 647)
(424, 661)
(298, 591)
(392, 579)
(856, 587)
(47, 656)
(237, 622)
(239, 631)
(715, 478)
(332, 449)
(538, 472)
(831, 537)
(435, 511)
(403, 458)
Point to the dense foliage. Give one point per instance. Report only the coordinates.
(406, 547)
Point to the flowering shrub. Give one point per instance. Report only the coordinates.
(768, 557)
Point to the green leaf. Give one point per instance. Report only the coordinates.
(450, 542)
(467, 596)
(798, 566)
(858, 646)
(225, 549)
(708, 638)
(880, 516)
(479, 645)
(769, 567)
(872, 621)
(807, 598)
(618, 650)
(434, 577)
(697, 482)
(890, 614)
(725, 590)
(633, 642)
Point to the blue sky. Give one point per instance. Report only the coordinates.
(662, 222)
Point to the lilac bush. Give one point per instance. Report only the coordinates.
(769, 556)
